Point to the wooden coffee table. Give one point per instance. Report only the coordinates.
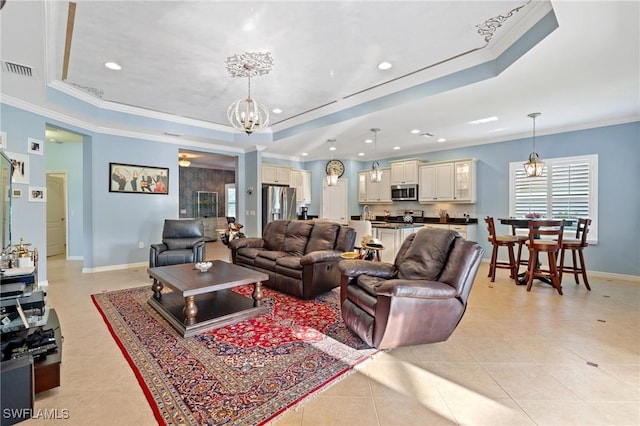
(215, 306)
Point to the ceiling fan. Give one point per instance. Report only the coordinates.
(183, 161)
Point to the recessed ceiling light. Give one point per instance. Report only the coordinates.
(395, 148)
(333, 148)
(484, 120)
(304, 154)
(368, 140)
(276, 111)
(442, 140)
(361, 154)
(384, 66)
(248, 25)
(415, 131)
(113, 66)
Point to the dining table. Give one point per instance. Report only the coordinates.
(523, 222)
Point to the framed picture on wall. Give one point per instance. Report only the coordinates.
(38, 194)
(20, 163)
(16, 192)
(35, 146)
(132, 178)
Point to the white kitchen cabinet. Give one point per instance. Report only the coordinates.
(436, 183)
(362, 186)
(465, 181)
(374, 192)
(389, 239)
(452, 181)
(392, 239)
(405, 232)
(468, 231)
(301, 181)
(277, 175)
(404, 172)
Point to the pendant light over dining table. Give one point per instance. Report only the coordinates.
(534, 167)
(375, 174)
(247, 114)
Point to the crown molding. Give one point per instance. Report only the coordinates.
(132, 110)
(91, 127)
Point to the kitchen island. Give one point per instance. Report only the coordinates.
(392, 231)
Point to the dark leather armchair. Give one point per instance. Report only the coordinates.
(182, 242)
(419, 299)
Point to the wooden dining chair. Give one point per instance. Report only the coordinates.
(576, 246)
(545, 236)
(508, 241)
(521, 241)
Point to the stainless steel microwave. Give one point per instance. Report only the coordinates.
(404, 192)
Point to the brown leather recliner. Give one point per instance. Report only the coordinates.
(182, 242)
(419, 299)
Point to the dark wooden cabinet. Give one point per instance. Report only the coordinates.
(47, 370)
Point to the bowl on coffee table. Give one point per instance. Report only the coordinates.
(203, 266)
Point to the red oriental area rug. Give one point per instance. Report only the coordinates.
(243, 374)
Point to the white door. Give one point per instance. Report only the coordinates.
(334, 202)
(56, 215)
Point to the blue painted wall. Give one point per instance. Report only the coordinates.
(28, 218)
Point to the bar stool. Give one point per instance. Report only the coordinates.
(552, 231)
(521, 241)
(496, 241)
(576, 245)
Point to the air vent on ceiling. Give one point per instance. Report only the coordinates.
(18, 69)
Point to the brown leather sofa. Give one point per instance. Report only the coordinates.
(300, 256)
(419, 299)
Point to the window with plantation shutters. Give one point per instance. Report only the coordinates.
(567, 189)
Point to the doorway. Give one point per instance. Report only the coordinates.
(203, 180)
(334, 202)
(56, 214)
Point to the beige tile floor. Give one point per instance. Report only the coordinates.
(516, 358)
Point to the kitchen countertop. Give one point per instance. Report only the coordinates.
(398, 222)
(394, 225)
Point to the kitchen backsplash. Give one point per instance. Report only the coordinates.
(430, 210)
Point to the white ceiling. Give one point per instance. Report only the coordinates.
(584, 73)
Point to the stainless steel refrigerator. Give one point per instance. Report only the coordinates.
(278, 202)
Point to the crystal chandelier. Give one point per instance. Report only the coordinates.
(183, 162)
(248, 115)
(331, 178)
(534, 166)
(375, 174)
